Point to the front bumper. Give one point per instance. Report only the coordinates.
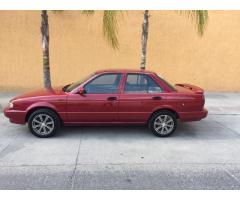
(193, 116)
(15, 116)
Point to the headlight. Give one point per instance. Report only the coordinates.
(10, 104)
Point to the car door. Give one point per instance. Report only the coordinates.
(140, 95)
(99, 102)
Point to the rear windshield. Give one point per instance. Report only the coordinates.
(168, 84)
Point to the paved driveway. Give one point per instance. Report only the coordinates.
(200, 155)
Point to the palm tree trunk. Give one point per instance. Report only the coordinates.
(45, 49)
(144, 39)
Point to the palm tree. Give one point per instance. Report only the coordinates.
(110, 25)
(144, 39)
(199, 16)
(110, 30)
(45, 49)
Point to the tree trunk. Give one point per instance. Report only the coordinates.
(144, 39)
(45, 49)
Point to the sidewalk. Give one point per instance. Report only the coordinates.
(216, 102)
(5, 97)
(222, 103)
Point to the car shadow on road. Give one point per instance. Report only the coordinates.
(202, 130)
(105, 131)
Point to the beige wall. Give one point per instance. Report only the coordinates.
(78, 48)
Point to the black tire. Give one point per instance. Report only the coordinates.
(157, 120)
(50, 126)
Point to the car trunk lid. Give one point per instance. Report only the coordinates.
(196, 94)
(188, 88)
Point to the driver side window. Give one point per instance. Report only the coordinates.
(104, 84)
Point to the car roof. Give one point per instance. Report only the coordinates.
(123, 71)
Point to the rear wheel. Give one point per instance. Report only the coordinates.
(163, 123)
(43, 123)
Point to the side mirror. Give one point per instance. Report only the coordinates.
(81, 91)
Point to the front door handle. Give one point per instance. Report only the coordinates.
(112, 98)
(157, 98)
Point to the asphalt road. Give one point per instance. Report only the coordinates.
(200, 155)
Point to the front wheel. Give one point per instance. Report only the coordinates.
(43, 123)
(163, 123)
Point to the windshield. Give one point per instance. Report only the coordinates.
(70, 87)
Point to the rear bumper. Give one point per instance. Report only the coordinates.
(15, 116)
(193, 116)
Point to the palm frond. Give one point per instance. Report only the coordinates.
(200, 17)
(110, 27)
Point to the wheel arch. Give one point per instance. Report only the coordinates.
(164, 109)
(33, 109)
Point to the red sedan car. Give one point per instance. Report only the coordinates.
(110, 97)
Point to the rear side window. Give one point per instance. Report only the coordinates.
(141, 83)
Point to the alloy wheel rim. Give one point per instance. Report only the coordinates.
(42, 124)
(163, 124)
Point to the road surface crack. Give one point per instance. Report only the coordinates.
(231, 175)
(231, 130)
(73, 177)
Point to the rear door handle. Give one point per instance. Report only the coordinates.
(157, 98)
(112, 98)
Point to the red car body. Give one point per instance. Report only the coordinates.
(187, 101)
